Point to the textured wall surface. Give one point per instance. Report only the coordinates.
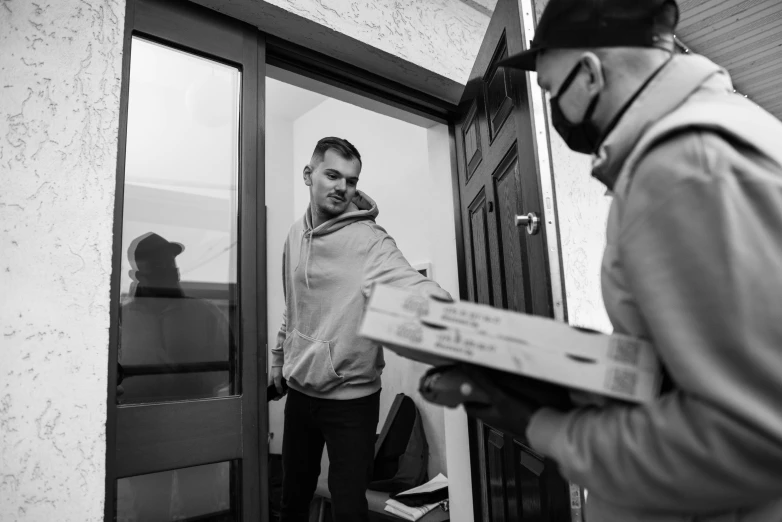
(582, 208)
(59, 104)
(583, 211)
(440, 35)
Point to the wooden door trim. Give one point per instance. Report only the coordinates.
(313, 64)
(544, 161)
(137, 437)
(219, 38)
(284, 25)
(261, 412)
(252, 274)
(461, 263)
(116, 269)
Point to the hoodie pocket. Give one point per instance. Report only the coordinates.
(308, 363)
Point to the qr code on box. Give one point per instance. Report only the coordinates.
(625, 350)
(623, 381)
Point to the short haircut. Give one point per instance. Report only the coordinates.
(339, 145)
(667, 18)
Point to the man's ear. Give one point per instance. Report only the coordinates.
(596, 78)
(308, 176)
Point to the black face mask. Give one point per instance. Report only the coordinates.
(581, 137)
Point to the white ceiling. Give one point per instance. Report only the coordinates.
(288, 102)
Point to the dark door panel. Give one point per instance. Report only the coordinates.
(160, 437)
(505, 267)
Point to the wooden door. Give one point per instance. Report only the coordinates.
(186, 416)
(506, 266)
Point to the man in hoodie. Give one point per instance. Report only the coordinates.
(332, 257)
(693, 262)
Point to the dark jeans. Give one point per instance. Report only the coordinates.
(348, 430)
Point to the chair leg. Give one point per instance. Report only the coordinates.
(317, 509)
(322, 511)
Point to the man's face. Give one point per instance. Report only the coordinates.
(553, 67)
(157, 273)
(332, 183)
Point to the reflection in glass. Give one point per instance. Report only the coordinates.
(178, 315)
(203, 493)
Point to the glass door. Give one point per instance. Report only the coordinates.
(184, 421)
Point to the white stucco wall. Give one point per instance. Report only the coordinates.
(583, 211)
(439, 35)
(59, 106)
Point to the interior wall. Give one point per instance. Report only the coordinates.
(59, 117)
(280, 215)
(443, 237)
(413, 192)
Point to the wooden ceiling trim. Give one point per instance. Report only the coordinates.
(749, 47)
(764, 84)
(725, 39)
(695, 24)
(758, 64)
(691, 5)
(748, 25)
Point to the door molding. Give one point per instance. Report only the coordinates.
(116, 266)
(290, 27)
(543, 157)
(380, 86)
(325, 55)
(137, 425)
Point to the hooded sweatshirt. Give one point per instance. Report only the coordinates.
(328, 273)
(693, 262)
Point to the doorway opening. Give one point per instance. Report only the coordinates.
(407, 170)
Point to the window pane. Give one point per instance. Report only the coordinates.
(203, 493)
(178, 315)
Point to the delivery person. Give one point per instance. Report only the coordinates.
(332, 257)
(693, 262)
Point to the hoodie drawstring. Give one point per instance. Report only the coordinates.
(363, 207)
(307, 259)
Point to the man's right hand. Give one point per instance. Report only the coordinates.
(277, 378)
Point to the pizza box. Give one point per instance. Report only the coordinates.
(432, 332)
(534, 331)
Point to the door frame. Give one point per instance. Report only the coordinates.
(158, 20)
(341, 61)
(435, 105)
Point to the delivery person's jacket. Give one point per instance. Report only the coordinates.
(694, 263)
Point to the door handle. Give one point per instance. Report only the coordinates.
(531, 221)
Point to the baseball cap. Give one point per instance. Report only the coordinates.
(151, 247)
(573, 24)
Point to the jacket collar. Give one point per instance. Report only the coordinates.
(676, 81)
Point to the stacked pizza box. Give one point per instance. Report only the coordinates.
(438, 332)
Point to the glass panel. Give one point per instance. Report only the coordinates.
(178, 315)
(203, 493)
